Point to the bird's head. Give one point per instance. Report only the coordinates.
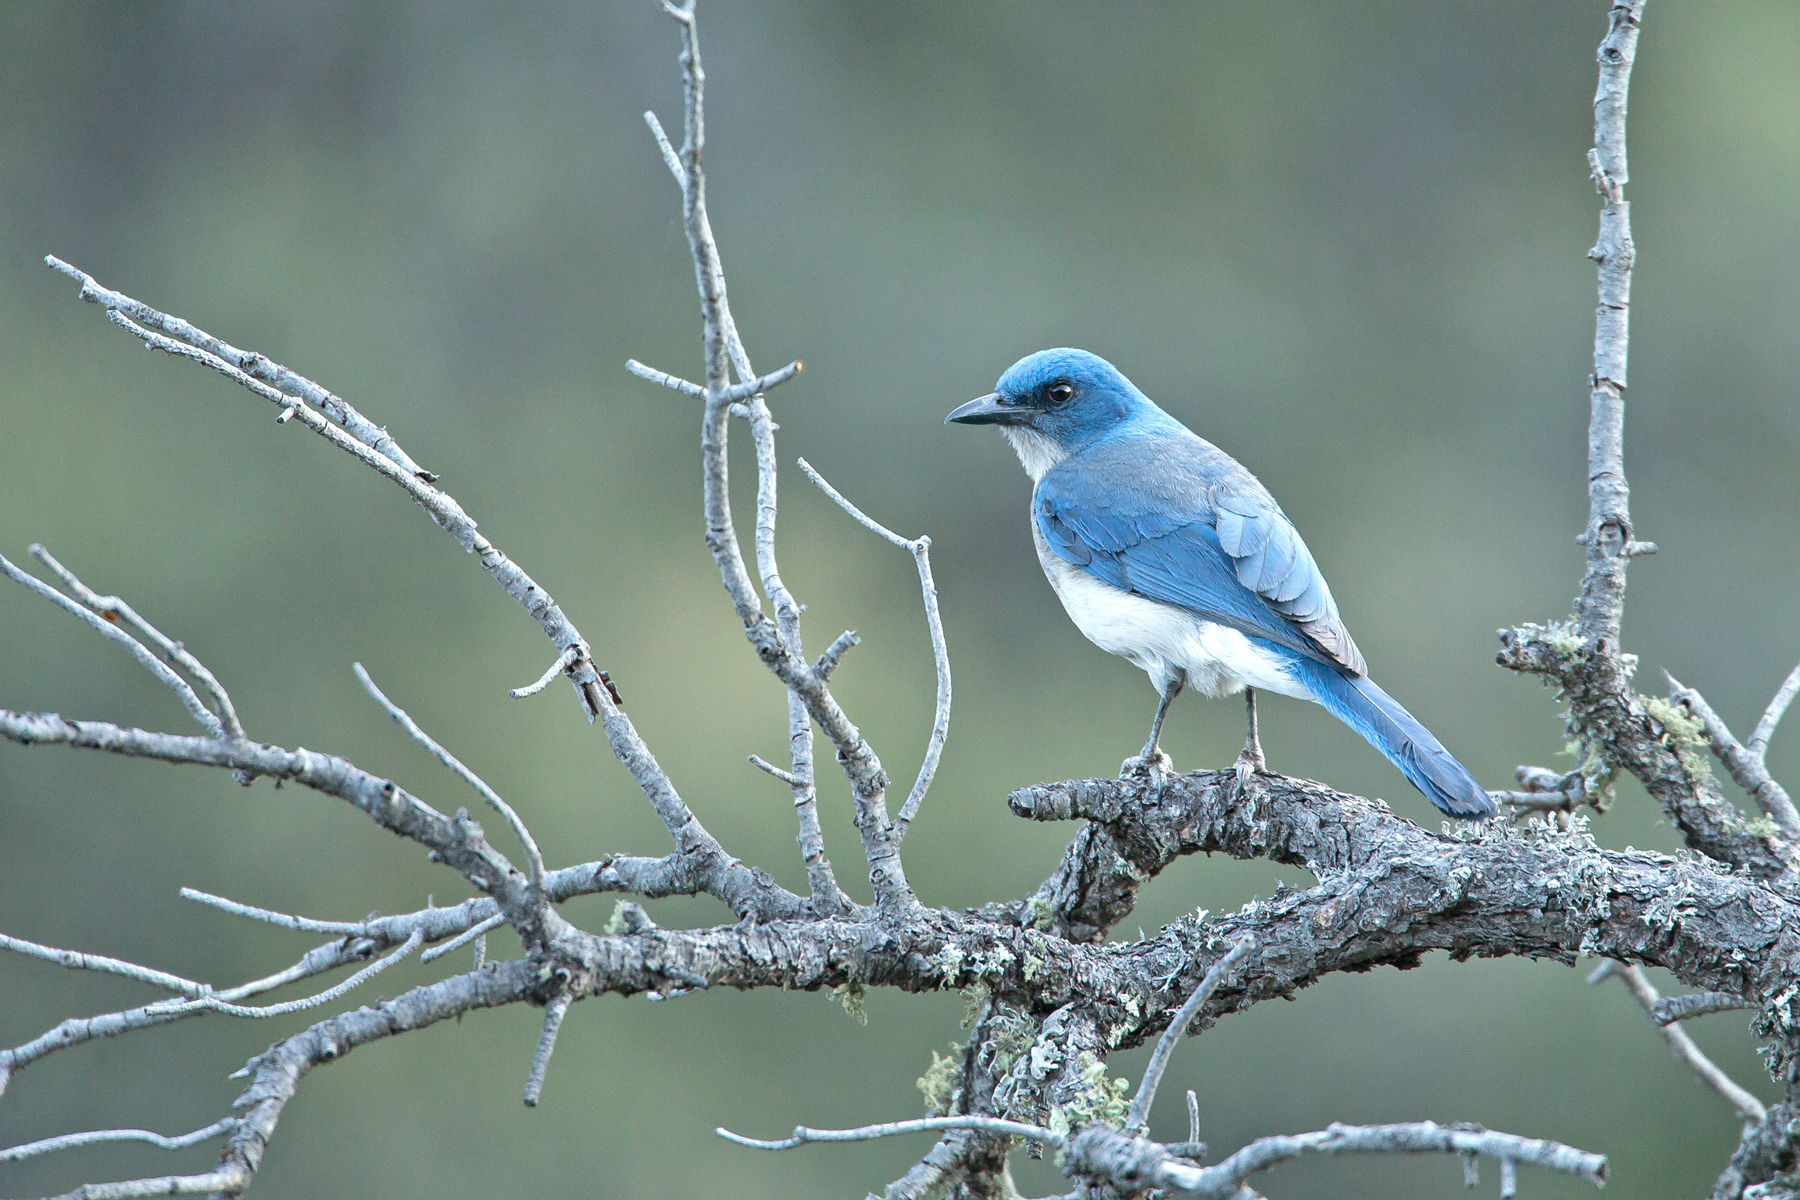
(1054, 403)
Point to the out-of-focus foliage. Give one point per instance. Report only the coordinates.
(1345, 242)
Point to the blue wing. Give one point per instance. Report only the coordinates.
(1168, 516)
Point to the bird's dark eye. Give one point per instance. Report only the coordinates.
(1059, 393)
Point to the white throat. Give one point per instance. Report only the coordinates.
(1038, 454)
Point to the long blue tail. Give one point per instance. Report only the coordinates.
(1358, 703)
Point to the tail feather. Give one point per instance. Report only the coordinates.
(1378, 717)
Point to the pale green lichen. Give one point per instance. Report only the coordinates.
(1762, 826)
(1032, 965)
(1562, 639)
(1597, 773)
(851, 996)
(1100, 1100)
(1684, 733)
(975, 998)
(938, 1083)
(616, 924)
(1038, 912)
(1012, 1037)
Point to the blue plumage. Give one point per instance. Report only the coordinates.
(1165, 550)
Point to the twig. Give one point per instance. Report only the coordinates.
(672, 382)
(868, 1133)
(532, 854)
(79, 1030)
(920, 548)
(564, 661)
(70, 1141)
(285, 920)
(554, 1013)
(1139, 1116)
(739, 392)
(1765, 728)
(1099, 1151)
(869, 783)
(75, 960)
(462, 939)
(834, 653)
(175, 683)
(670, 158)
(828, 896)
(213, 1003)
(1608, 537)
(1745, 767)
(112, 608)
(1423, 1137)
(1699, 1004)
(253, 364)
(371, 445)
(1748, 1107)
(787, 777)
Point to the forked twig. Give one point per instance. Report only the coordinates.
(920, 549)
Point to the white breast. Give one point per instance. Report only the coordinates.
(1168, 642)
(1038, 454)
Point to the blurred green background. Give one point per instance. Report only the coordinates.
(1345, 242)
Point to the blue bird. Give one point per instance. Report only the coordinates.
(1168, 552)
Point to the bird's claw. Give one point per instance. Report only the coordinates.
(1248, 766)
(1153, 769)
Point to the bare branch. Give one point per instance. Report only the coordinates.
(802, 783)
(1748, 1107)
(251, 363)
(750, 388)
(70, 1141)
(532, 854)
(112, 608)
(135, 648)
(1609, 534)
(1765, 728)
(540, 1063)
(80, 1030)
(834, 653)
(672, 382)
(564, 661)
(1422, 1137)
(670, 158)
(723, 347)
(1134, 1163)
(285, 920)
(213, 1003)
(920, 548)
(371, 445)
(1700, 1004)
(787, 777)
(1745, 767)
(226, 1181)
(462, 939)
(77, 961)
(1139, 1117)
(868, 1133)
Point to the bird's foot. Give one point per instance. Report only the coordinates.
(1249, 764)
(1154, 769)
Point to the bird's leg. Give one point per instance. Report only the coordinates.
(1153, 762)
(1250, 758)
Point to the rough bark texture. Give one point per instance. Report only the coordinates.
(1053, 998)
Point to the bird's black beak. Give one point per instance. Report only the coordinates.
(986, 410)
